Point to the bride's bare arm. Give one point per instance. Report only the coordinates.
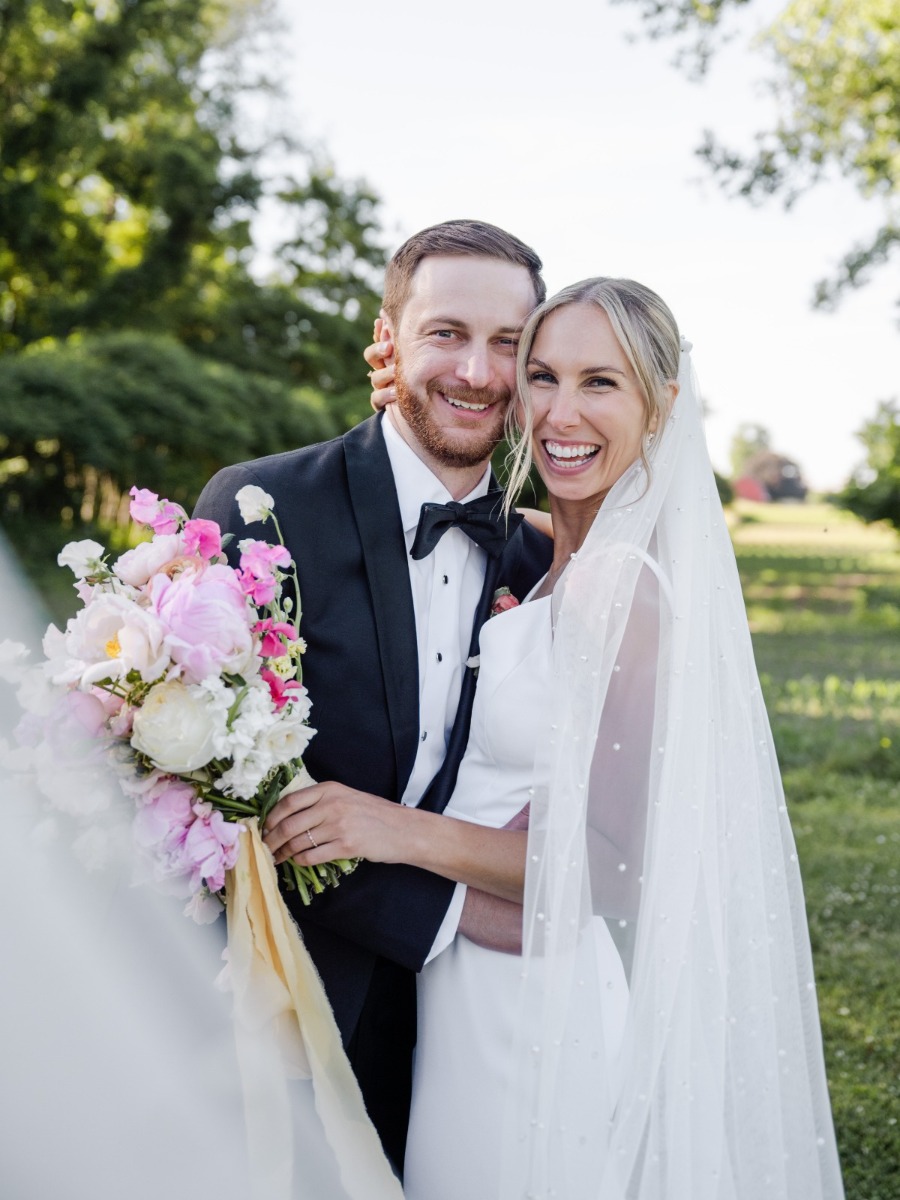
(328, 820)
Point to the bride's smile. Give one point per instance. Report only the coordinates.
(590, 414)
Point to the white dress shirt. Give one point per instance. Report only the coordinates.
(446, 586)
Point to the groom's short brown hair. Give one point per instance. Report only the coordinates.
(476, 239)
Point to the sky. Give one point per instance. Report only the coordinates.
(554, 121)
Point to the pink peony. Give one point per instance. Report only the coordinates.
(163, 821)
(203, 538)
(211, 848)
(207, 622)
(275, 636)
(282, 691)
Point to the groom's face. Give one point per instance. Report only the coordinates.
(455, 348)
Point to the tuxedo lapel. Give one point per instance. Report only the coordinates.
(373, 496)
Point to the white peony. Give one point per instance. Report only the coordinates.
(136, 566)
(83, 558)
(204, 909)
(111, 637)
(254, 503)
(177, 727)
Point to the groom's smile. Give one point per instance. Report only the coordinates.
(456, 356)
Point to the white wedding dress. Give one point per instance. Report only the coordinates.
(468, 996)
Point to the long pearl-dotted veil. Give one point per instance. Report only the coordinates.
(665, 817)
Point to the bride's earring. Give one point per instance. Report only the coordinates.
(650, 437)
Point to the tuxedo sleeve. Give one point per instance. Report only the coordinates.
(392, 910)
(217, 503)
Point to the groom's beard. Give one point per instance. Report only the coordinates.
(452, 446)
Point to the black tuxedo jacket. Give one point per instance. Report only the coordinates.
(338, 509)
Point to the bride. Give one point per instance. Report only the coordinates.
(656, 1037)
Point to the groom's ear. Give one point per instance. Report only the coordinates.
(388, 331)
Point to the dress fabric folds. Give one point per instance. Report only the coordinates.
(468, 996)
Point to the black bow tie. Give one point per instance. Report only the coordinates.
(482, 519)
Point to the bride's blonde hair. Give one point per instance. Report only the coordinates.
(647, 333)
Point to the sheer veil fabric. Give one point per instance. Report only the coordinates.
(665, 817)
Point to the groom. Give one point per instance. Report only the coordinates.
(389, 632)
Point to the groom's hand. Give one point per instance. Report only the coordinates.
(491, 922)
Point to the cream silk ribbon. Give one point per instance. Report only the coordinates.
(285, 1028)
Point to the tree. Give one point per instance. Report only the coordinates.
(748, 440)
(874, 491)
(136, 343)
(84, 421)
(128, 188)
(117, 168)
(836, 76)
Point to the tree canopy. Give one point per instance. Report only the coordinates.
(874, 492)
(835, 73)
(139, 341)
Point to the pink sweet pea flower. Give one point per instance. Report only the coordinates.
(144, 505)
(258, 561)
(282, 691)
(203, 538)
(259, 557)
(211, 847)
(169, 517)
(260, 591)
(275, 636)
(162, 516)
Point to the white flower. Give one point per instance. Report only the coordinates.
(111, 637)
(288, 738)
(136, 566)
(244, 777)
(13, 661)
(177, 727)
(82, 557)
(204, 908)
(254, 503)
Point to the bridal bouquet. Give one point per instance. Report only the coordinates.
(185, 672)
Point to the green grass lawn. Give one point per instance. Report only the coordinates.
(823, 597)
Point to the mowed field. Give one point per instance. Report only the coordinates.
(823, 597)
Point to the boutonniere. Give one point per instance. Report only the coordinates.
(503, 600)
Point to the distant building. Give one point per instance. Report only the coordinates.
(751, 489)
(769, 476)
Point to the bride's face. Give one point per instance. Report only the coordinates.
(589, 409)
